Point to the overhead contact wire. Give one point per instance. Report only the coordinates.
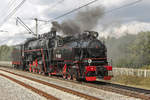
(13, 12)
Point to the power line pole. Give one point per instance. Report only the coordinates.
(36, 33)
(36, 22)
(18, 20)
(36, 30)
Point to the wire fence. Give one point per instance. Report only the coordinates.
(131, 72)
(6, 63)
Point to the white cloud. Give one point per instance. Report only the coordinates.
(111, 3)
(44, 9)
(131, 28)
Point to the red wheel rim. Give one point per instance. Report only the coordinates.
(30, 69)
(39, 72)
(33, 70)
(64, 76)
(69, 77)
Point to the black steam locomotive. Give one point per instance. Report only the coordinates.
(77, 57)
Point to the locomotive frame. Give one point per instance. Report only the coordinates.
(64, 57)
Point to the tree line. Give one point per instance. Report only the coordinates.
(125, 51)
(5, 53)
(129, 50)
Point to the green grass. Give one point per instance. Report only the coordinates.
(135, 81)
(145, 67)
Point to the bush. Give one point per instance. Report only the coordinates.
(5, 53)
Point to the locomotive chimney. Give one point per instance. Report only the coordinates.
(53, 32)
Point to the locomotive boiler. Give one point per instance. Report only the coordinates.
(77, 57)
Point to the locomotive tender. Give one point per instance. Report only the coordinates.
(77, 57)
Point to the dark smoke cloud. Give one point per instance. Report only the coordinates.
(83, 20)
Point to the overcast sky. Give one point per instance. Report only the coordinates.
(132, 19)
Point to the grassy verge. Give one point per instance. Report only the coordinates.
(135, 81)
(145, 67)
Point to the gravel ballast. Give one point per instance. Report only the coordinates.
(54, 92)
(12, 91)
(82, 88)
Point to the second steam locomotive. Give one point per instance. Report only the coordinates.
(80, 57)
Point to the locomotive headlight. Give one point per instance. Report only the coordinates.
(89, 61)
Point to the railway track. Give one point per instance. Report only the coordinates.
(48, 96)
(121, 89)
(42, 93)
(116, 88)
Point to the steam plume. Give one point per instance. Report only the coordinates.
(83, 20)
